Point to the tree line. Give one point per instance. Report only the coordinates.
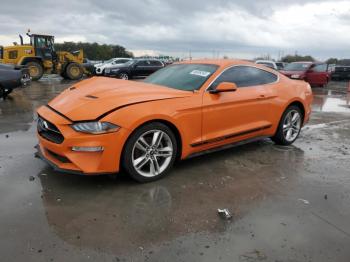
(308, 58)
(95, 51)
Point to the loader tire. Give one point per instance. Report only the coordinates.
(74, 71)
(36, 70)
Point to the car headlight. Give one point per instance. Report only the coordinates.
(95, 127)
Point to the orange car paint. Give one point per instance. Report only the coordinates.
(202, 120)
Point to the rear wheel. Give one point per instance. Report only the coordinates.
(74, 71)
(124, 76)
(36, 70)
(289, 127)
(150, 152)
(2, 92)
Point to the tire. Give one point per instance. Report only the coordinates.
(74, 71)
(2, 93)
(288, 132)
(36, 70)
(142, 159)
(124, 76)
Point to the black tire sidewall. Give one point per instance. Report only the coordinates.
(40, 68)
(2, 92)
(279, 138)
(71, 77)
(125, 73)
(127, 152)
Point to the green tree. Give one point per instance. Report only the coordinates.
(95, 51)
(332, 61)
(297, 58)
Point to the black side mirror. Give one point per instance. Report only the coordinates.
(224, 87)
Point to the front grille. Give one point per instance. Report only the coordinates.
(60, 158)
(49, 131)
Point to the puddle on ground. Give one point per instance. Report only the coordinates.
(331, 101)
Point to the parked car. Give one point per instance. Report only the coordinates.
(316, 74)
(12, 77)
(135, 68)
(281, 65)
(267, 63)
(182, 110)
(341, 73)
(100, 68)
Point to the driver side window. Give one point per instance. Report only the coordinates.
(245, 76)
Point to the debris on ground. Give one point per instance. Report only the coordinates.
(225, 213)
(58, 199)
(31, 178)
(255, 255)
(306, 202)
(7, 136)
(326, 196)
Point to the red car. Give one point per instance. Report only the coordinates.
(316, 74)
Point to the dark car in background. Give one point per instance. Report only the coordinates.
(12, 77)
(134, 69)
(341, 73)
(316, 74)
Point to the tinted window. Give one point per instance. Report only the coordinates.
(156, 63)
(144, 63)
(13, 54)
(244, 76)
(320, 68)
(182, 76)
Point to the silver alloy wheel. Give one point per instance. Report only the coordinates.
(152, 153)
(124, 76)
(291, 125)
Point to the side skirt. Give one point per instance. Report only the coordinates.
(220, 148)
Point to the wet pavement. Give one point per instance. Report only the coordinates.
(288, 203)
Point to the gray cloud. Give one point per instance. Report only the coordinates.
(206, 27)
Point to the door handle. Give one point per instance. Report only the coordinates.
(261, 97)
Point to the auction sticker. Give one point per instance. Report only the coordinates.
(200, 73)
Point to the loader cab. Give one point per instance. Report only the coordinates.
(43, 46)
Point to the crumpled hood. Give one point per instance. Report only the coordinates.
(91, 98)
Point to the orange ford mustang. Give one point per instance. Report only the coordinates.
(101, 125)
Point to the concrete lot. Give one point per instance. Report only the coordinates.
(288, 203)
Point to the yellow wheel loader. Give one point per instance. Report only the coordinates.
(40, 57)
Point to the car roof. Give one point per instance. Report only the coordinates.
(303, 62)
(218, 62)
(224, 63)
(264, 61)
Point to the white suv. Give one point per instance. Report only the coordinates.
(267, 63)
(100, 68)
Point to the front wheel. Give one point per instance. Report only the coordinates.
(74, 71)
(36, 70)
(289, 127)
(150, 152)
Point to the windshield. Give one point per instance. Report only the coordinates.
(186, 77)
(297, 67)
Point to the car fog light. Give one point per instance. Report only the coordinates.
(87, 148)
(295, 76)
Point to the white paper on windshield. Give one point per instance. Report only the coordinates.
(200, 73)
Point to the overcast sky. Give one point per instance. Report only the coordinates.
(236, 28)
